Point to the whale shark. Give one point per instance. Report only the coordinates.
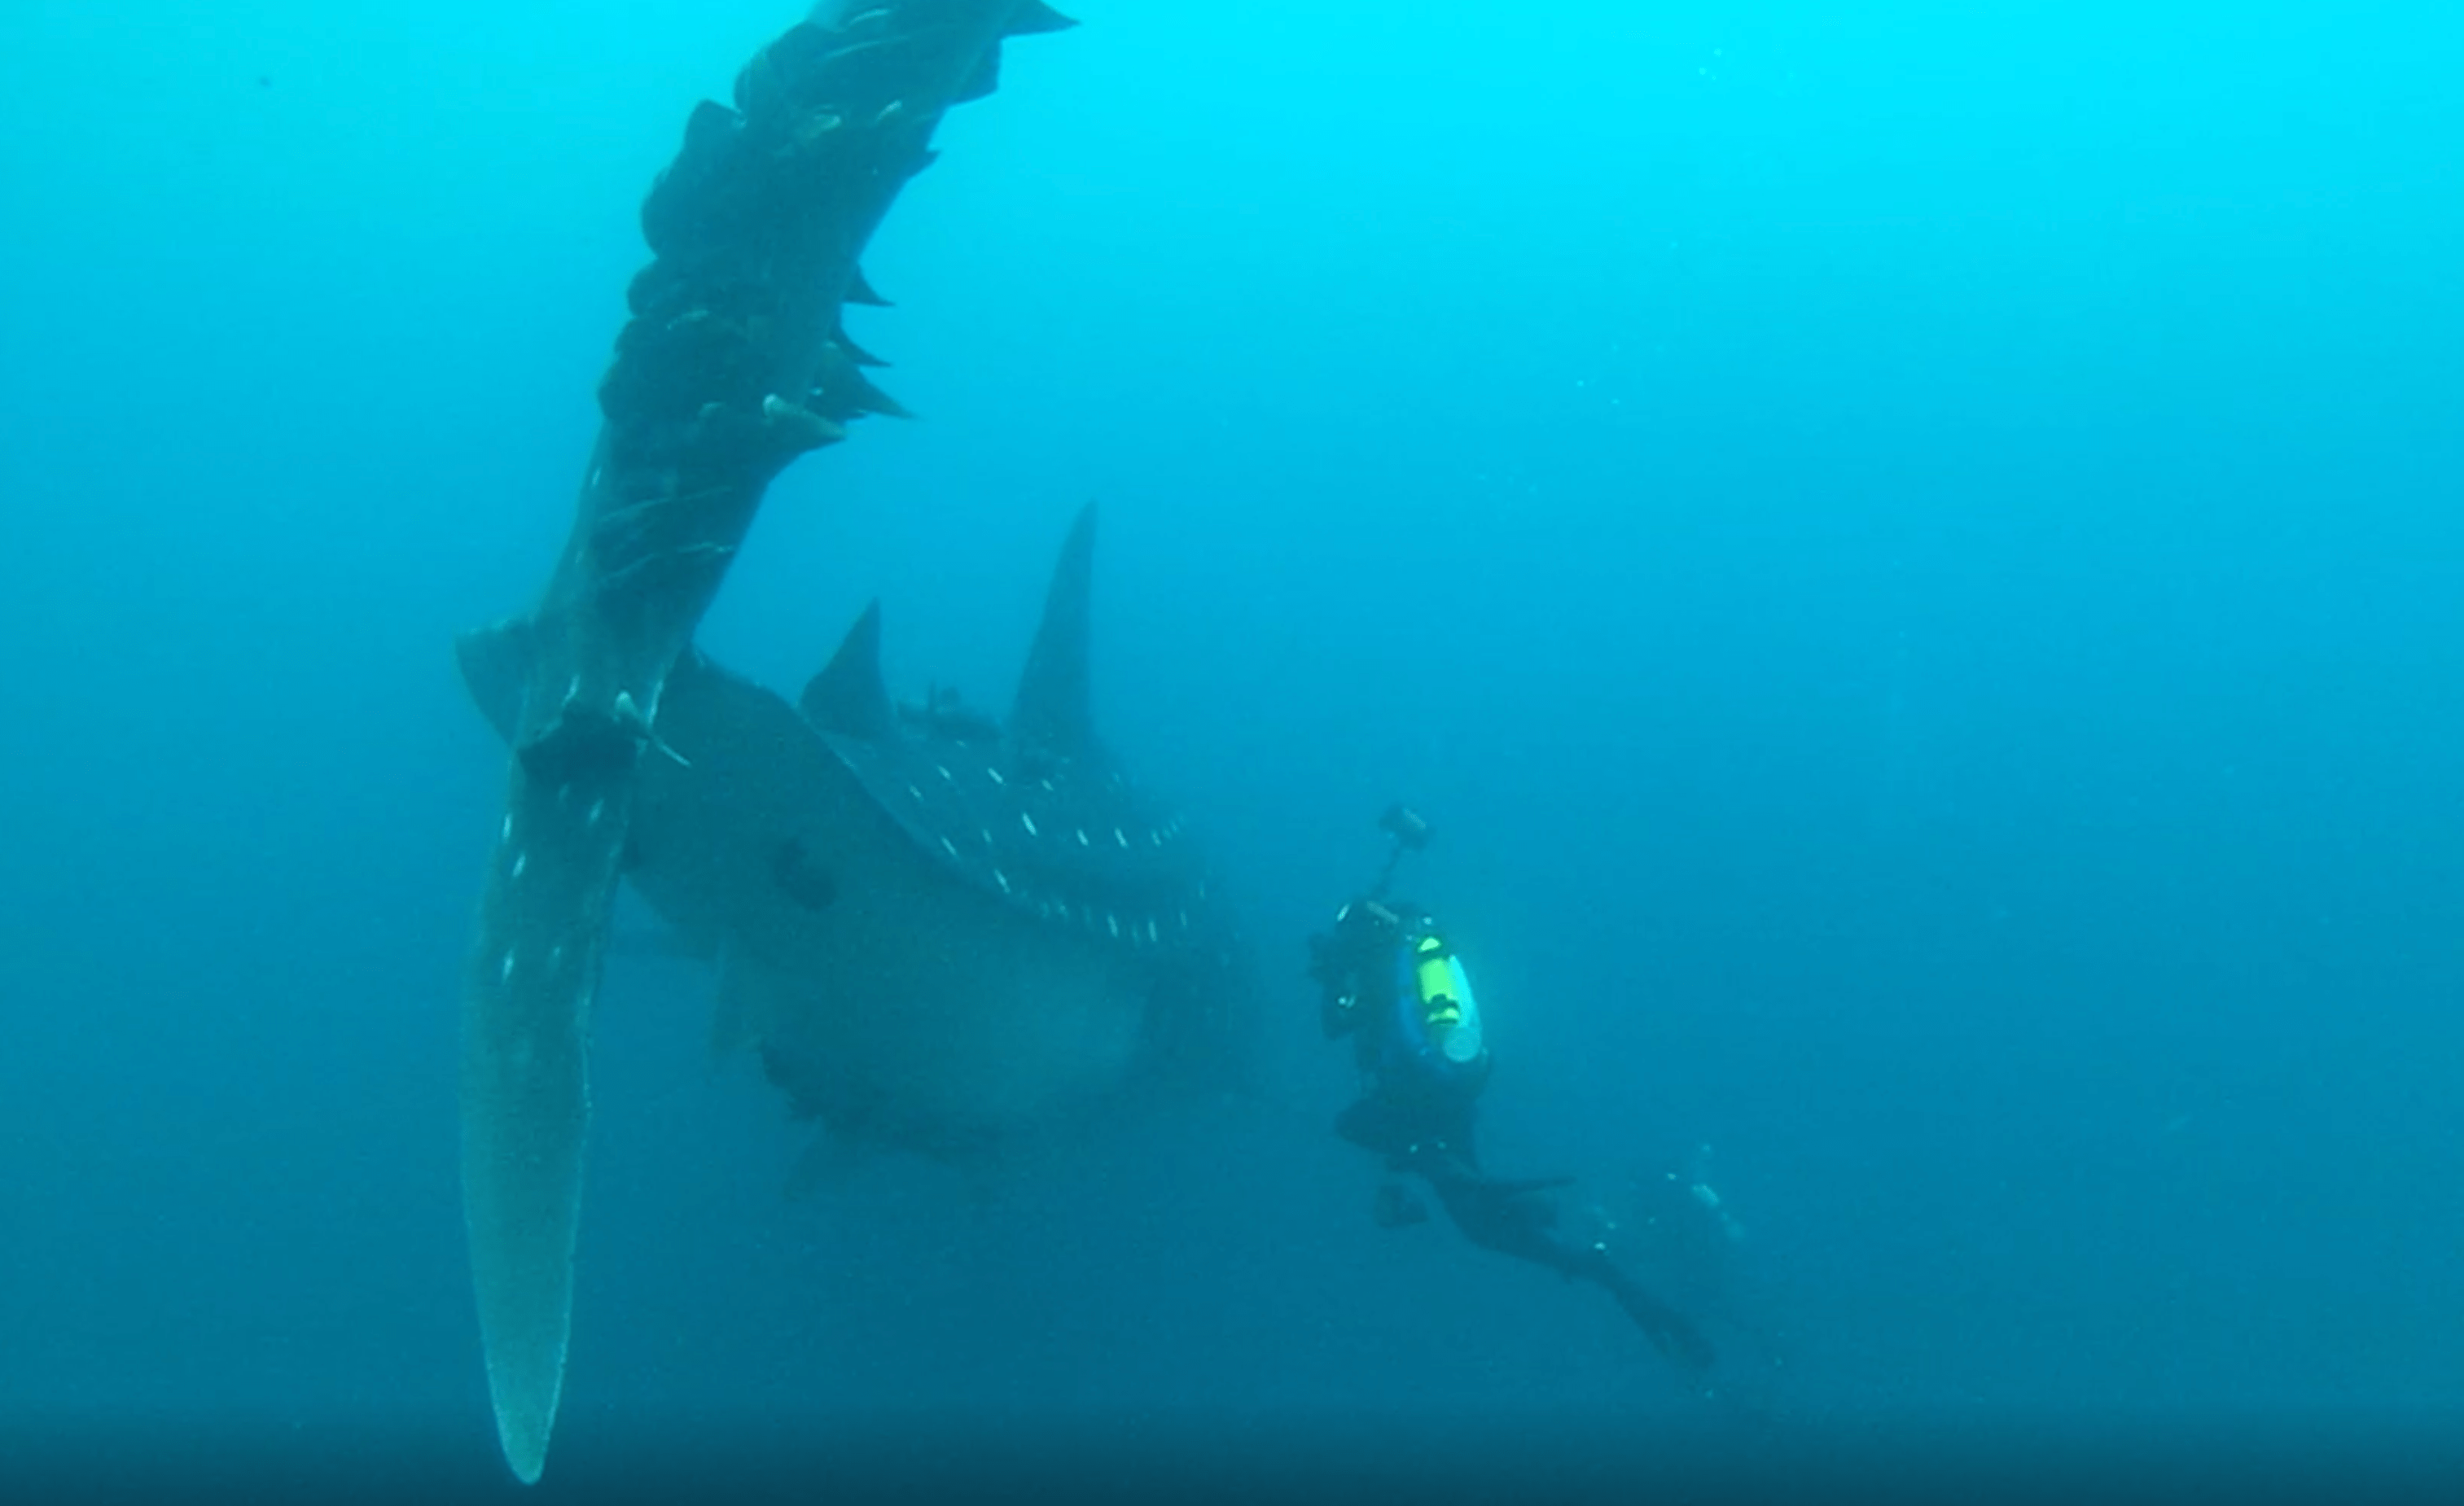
(734, 363)
(941, 932)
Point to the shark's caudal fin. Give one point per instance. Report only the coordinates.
(727, 372)
(1055, 705)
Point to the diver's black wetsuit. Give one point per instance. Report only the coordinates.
(1426, 1128)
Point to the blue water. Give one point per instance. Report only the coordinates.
(1909, 551)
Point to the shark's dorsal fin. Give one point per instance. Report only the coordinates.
(1054, 711)
(847, 696)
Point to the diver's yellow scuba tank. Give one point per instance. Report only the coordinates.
(1449, 1013)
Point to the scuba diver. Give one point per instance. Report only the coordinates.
(1391, 982)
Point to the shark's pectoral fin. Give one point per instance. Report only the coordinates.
(525, 1088)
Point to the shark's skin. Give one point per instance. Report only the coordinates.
(732, 366)
(940, 933)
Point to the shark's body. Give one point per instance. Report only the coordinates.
(939, 933)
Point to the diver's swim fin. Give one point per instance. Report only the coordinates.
(1395, 1208)
(1671, 1332)
(1525, 1187)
